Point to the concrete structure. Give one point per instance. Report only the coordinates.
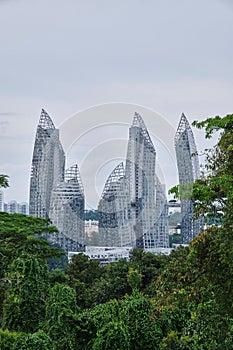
(133, 207)
(105, 255)
(54, 193)
(161, 227)
(48, 164)
(1, 201)
(67, 210)
(189, 171)
(12, 207)
(140, 172)
(115, 228)
(23, 208)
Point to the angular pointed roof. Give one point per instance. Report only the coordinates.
(183, 125)
(72, 174)
(45, 121)
(184, 136)
(139, 122)
(114, 177)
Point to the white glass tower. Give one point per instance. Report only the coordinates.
(67, 210)
(189, 171)
(47, 168)
(55, 193)
(115, 229)
(140, 172)
(1, 201)
(161, 236)
(133, 206)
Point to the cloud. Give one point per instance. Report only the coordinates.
(3, 127)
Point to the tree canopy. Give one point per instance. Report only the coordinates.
(4, 181)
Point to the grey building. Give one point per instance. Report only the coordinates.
(140, 172)
(189, 171)
(133, 211)
(54, 193)
(115, 229)
(1, 201)
(67, 210)
(12, 207)
(160, 237)
(48, 163)
(23, 208)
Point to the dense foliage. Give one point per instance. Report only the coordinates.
(4, 181)
(182, 301)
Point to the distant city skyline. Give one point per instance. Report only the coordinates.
(96, 138)
(171, 57)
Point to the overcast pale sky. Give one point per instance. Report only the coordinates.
(67, 55)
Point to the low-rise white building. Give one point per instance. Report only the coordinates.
(105, 255)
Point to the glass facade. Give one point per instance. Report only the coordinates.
(130, 206)
(55, 193)
(189, 171)
(115, 229)
(48, 163)
(67, 209)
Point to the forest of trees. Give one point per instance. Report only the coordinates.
(182, 301)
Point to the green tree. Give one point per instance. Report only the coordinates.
(207, 274)
(175, 238)
(35, 341)
(213, 195)
(134, 279)
(7, 339)
(21, 236)
(114, 335)
(130, 323)
(82, 273)
(113, 283)
(149, 266)
(59, 322)
(84, 269)
(24, 303)
(4, 181)
(137, 312)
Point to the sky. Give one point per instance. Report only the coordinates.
(96, 62)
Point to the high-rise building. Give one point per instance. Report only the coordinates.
(133, 207)
(12, 207)
(161, 237)
(23, 208)
(54, 193)
(1, 201)
(140, 172)
(48, 163)
(189, 171)
(115, 229)
(67, 210)
(5, 207)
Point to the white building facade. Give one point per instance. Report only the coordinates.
(189, 171)
(133, 208)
